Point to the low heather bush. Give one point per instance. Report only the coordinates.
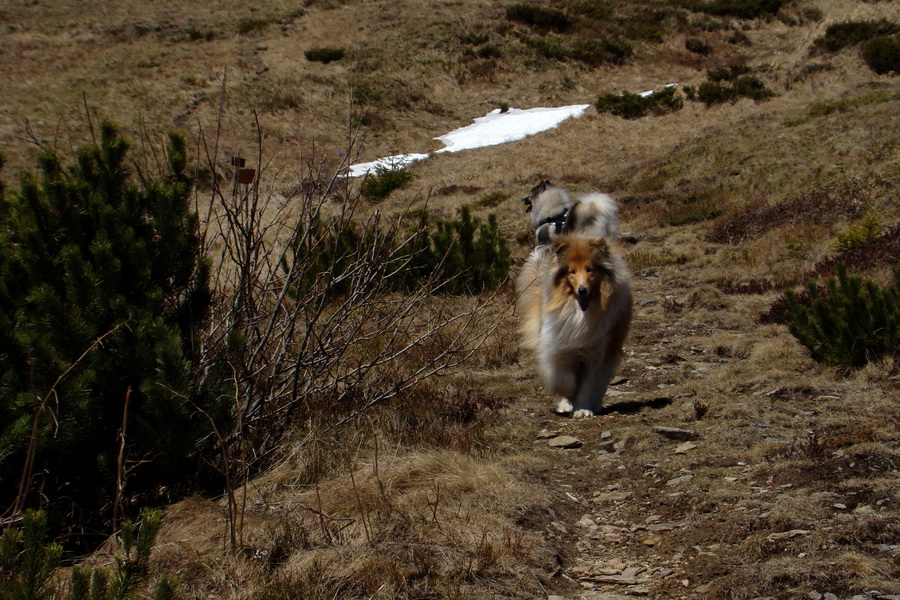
(539, 17)
(851, 33)
(882, 54)
(697, 46)
(324, 55)
(740, 9)
(633, 106)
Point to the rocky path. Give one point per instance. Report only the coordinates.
(704, 477)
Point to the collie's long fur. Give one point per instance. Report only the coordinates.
(554, 212)
(575, 309)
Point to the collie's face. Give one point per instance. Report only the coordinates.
(584, 268)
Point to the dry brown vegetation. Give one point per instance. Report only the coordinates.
(450, 489)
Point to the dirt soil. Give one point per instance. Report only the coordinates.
(727, 464)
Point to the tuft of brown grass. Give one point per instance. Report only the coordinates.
(394, 526)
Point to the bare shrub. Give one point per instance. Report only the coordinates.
(309, 328)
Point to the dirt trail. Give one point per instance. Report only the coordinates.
(711, 474)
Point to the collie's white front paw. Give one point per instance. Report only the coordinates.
(564, 407)
(582, 413)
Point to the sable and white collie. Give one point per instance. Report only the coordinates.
(575, 309)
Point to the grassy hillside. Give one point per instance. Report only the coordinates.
(788, 483)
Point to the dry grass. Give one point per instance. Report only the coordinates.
(446, 492)
(395, 525)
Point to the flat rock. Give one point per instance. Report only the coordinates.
(665, 526)
(615, 579)
(679, 480)
(685, 447)
(787, 535)
(565, 442)
(586, 521)
(618, 496)
(607, 445)
(675, 433)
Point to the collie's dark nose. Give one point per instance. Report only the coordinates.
(582, 290)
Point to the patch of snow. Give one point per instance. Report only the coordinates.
(494, 128)
(398, 161)
(501, 127)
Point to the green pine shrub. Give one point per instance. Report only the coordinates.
(379, 185)
(197, 34)
(489, 51)
(103, 288)
(254, 24)
(470, 256)
(324, 55)
(739, 9)
(598, 10)
(130, 576)
(633, 106)
(27, 561)
(852, 323)
(460, 256)
(698, 46)
(729, 84)
(882, 54)
(859, 234)
(851, 33)
(539, 17)
(588, 51)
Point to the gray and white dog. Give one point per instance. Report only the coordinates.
(555, 213)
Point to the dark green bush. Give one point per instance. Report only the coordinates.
(729, 73)
(324, 55)
(196, 34)
(587, 51)
(90, 253)
(851, 33)
(470, 256)
(858, 235)
(740, 9)
(882, 54)
(385, 180)
(28, 562)
(462, 256)
(489, 51)
(853, 323)
(251, 25)
(729, 84)
(633, 106)
(697, 46)
(539, 17)
(598, 10)
(474, 38)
